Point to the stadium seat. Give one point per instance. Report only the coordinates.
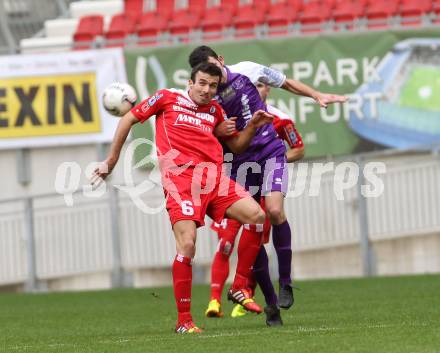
(78, 9)
(199, 4)
(248, 17)
(216, 20)
(281, 15)
(346, 13)
(412, 11)
(314, 16)
(183, 21)
(60, 27)
(150, 25)
(379, 14)
(134, 8)
(120, 26)
(88, 28)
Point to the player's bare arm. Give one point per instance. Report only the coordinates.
(323, 99)
(225, 128)
(295, 154)
(122, 131)
(239, 143)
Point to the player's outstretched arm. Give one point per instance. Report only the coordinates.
(295, 154)
(323, 99)
(122, 131)
(240, 142)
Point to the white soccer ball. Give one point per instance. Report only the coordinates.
(119, 98)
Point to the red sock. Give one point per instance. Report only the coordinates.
(252, 284)
(220, 264)
(182, 280)
(219, 274)
(248, 248)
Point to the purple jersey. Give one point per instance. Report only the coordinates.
(240, 98)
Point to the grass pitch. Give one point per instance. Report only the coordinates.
(379, 315)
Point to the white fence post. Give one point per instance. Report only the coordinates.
(32, 280)
(367, 253)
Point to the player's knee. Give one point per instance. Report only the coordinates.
(258, 216)
(187, 247)
(276, 215)
(225, 247)
(186, 243)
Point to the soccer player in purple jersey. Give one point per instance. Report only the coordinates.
(240, 98)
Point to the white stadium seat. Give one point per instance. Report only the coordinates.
(45, 44)
(60, 27)
(84, 8)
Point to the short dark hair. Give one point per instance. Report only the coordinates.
(207, 68)
(200, 55)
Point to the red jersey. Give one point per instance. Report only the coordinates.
(183, 125)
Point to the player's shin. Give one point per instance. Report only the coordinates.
(261, 274)
(220, 264)
(248, 248)
(282, 241)
(182, 280)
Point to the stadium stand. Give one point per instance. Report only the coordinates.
(249, 17)
(121, 26)
(149, 22)
(412, 11)
(281, 15)
(89, 27)
(347, 13)
(26, 18)
(314, 16)
(379, 14)
(219, 19)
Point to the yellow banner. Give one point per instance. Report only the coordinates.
(49, 105)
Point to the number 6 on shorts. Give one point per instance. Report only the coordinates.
(187, 208)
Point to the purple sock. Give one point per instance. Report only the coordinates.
(282, 241)
(261, 273)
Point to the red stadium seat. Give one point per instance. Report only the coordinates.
(230, 3)
(314, 16)
(411, 11)
(215, 21)
(134, 8)
(198, 4)
(281, 15)
(249, 17)
(88, 28)
(151, 24)
(183, 21)
(165, 5)
(121, 25)
(379, 13)
(346, 13)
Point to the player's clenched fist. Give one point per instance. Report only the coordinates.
(261, 118)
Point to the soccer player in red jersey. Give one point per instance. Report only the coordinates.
(227, 231)
(190, 160)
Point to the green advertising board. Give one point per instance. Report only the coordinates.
(339, 63)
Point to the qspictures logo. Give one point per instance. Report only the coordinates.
(306, 178)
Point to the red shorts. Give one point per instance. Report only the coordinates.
(197, 192)
(229, 228)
